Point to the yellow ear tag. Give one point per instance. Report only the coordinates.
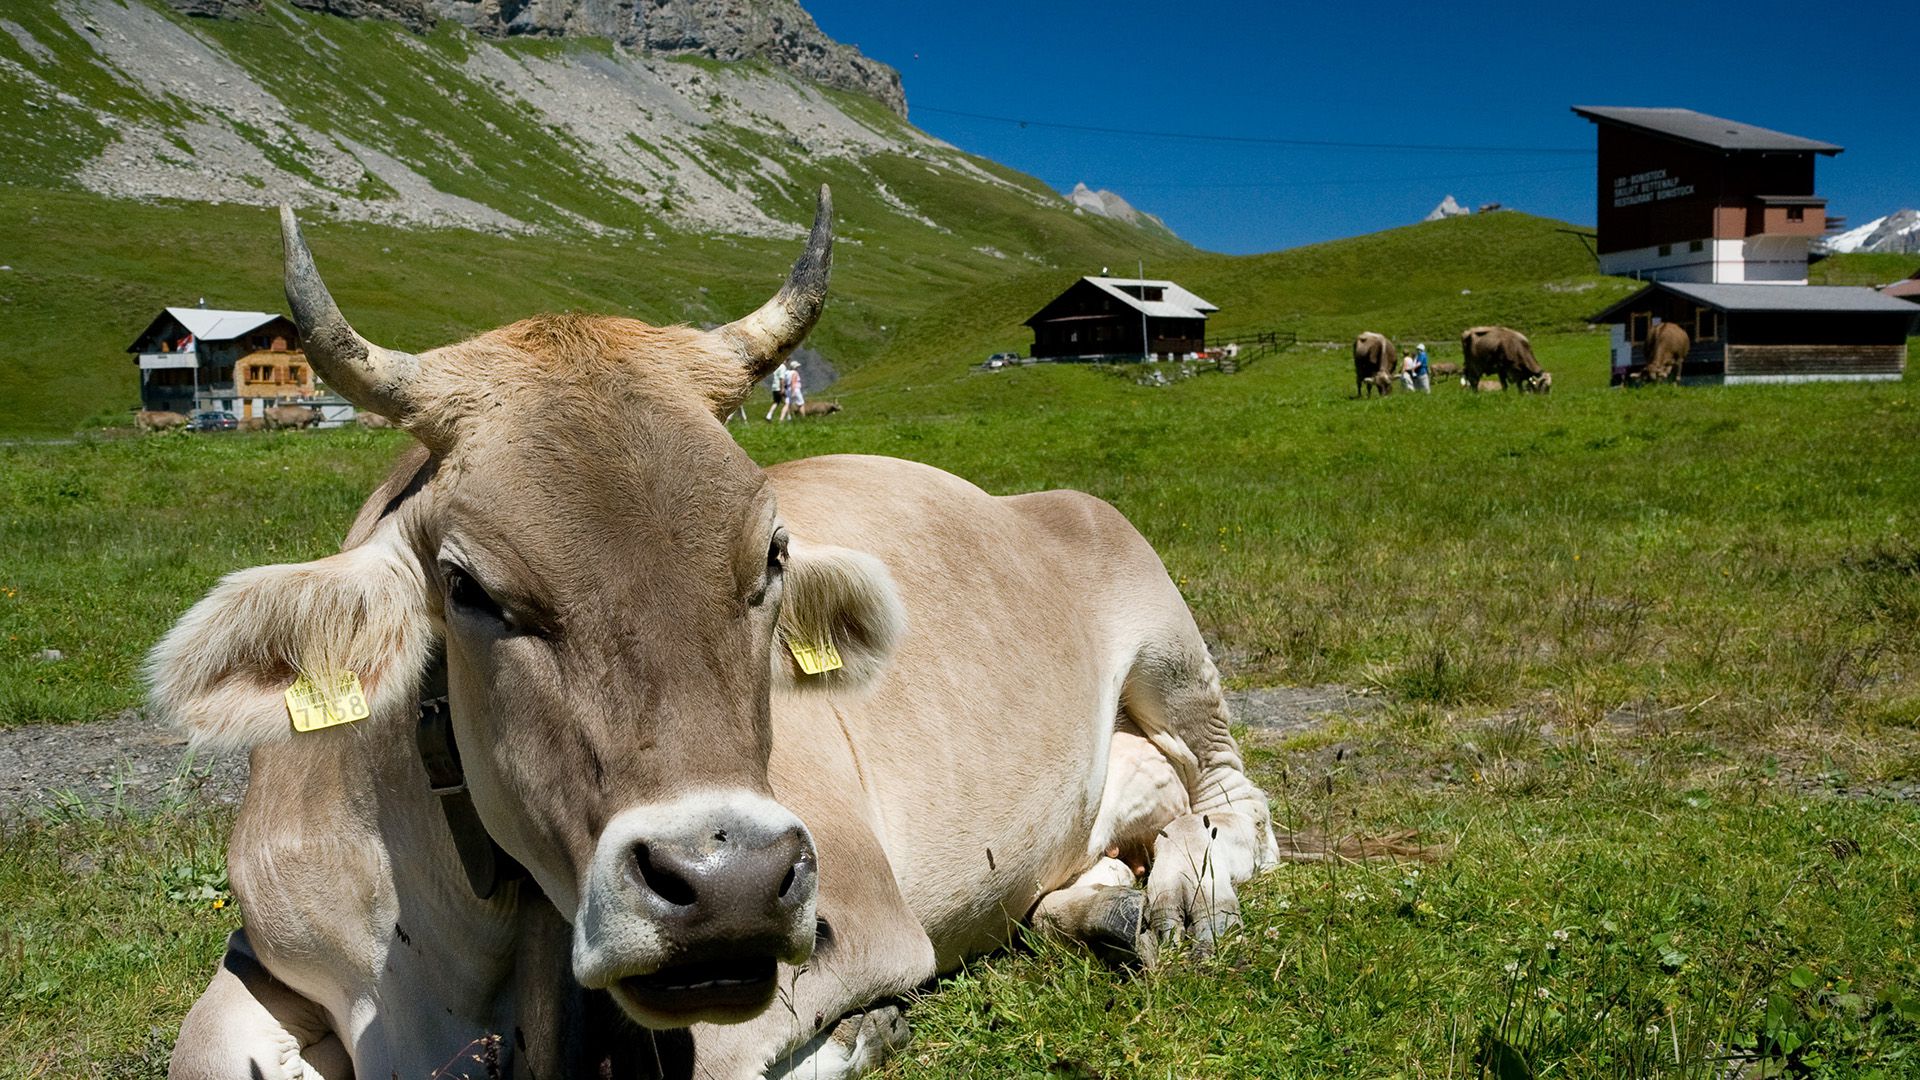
(815, 657)
(314, 706)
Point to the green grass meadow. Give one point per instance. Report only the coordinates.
(1647, 663)
(1642, 668)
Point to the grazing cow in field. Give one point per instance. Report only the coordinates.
(819, 408)
(151, 421)
(1666, 350)
(252, 423)
(372, 421)
(292, 416)
(1375, 361)
(1446, 371)
(816, 732)
(1502, 352)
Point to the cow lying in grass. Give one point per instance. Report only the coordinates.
(817, 732)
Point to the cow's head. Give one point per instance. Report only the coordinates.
(616, 597)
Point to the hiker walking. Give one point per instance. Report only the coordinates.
(778, 384)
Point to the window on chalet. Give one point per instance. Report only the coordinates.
(1639, 325)
(1796, 213)
(1696, 245)
(1706, 325)
(1666, 249)
(259, 373)
(296, 372)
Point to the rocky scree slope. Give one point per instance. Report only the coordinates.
(490, 115)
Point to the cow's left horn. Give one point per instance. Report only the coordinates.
(765, 337)
(364, 373)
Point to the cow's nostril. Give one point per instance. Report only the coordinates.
(665, 883)
(786, 883)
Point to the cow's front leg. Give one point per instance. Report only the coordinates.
(248, 1025)
(860, 1043)
(1198, 860)
(1103, 910)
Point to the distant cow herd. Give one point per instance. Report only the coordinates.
(1486, 352)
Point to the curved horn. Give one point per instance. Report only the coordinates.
(765, 337)
(364, 373)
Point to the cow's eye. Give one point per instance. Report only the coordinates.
(465, 592)
(776, 565)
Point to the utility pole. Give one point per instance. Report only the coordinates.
(1146, 345)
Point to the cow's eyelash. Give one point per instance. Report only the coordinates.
(776, 565)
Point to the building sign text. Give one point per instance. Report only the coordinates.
(1646, 187)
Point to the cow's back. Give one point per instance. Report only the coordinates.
(974, 748)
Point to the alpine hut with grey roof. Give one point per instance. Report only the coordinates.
(244, 362)
(1684, 196)
(1122, 318)
(1768, 333)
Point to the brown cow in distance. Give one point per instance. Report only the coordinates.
(1374, 362)
(154, 420)
(1667, 347)
(1503, 352)
(292, 416)
(819, 408)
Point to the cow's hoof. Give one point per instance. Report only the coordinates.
(1117, 931)
(876, 1035)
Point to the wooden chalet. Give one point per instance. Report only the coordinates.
(1768, 333)
(1120, 318)
(243, 362)
(1684, 196)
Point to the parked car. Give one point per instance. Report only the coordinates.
(1002, 359)
(213, 420)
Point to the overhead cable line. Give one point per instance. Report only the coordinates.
(1341, 181)
(1260, 140)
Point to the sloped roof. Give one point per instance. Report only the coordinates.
(1905, 290)
(1714, 132)
(1176, 302)
(209, 324)
(1802, 299)
(212, 324)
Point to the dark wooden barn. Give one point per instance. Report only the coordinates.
(1768, 333)
(1099, 317)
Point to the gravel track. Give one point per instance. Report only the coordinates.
(136, 762)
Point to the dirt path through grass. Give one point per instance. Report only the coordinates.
(134, 761)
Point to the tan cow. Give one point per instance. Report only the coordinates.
(148, 420)
(297, 417)
(820, 408)
(252, 423)
(1375, 362)
(1504, 352)
(1666, 350)
(372, 421)
(626, 611)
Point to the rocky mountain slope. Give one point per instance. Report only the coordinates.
(1896, 233)
(562, 117)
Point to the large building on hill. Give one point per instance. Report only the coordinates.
(1120, 317)
(1683, 196)
(243, 362)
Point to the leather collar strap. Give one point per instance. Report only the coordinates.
(486, 865)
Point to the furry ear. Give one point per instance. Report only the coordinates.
(221, 674)
(842, 597)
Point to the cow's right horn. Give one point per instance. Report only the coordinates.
(371, 377)
(767, 336)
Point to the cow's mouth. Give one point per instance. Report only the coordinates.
(703, 990)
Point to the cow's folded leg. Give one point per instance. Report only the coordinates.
(1197, 862)
(1103, 910)
(248, 1025)
(860, 1043)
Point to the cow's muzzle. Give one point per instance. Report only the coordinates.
(691, 905)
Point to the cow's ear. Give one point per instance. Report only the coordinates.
(222, 673)
(840, 619)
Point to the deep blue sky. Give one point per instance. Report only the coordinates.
(1481, 75)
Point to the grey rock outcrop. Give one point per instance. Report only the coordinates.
(215, 9)
(779, 32)
(412, 14)
(1449, 207)
(1109, 205)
